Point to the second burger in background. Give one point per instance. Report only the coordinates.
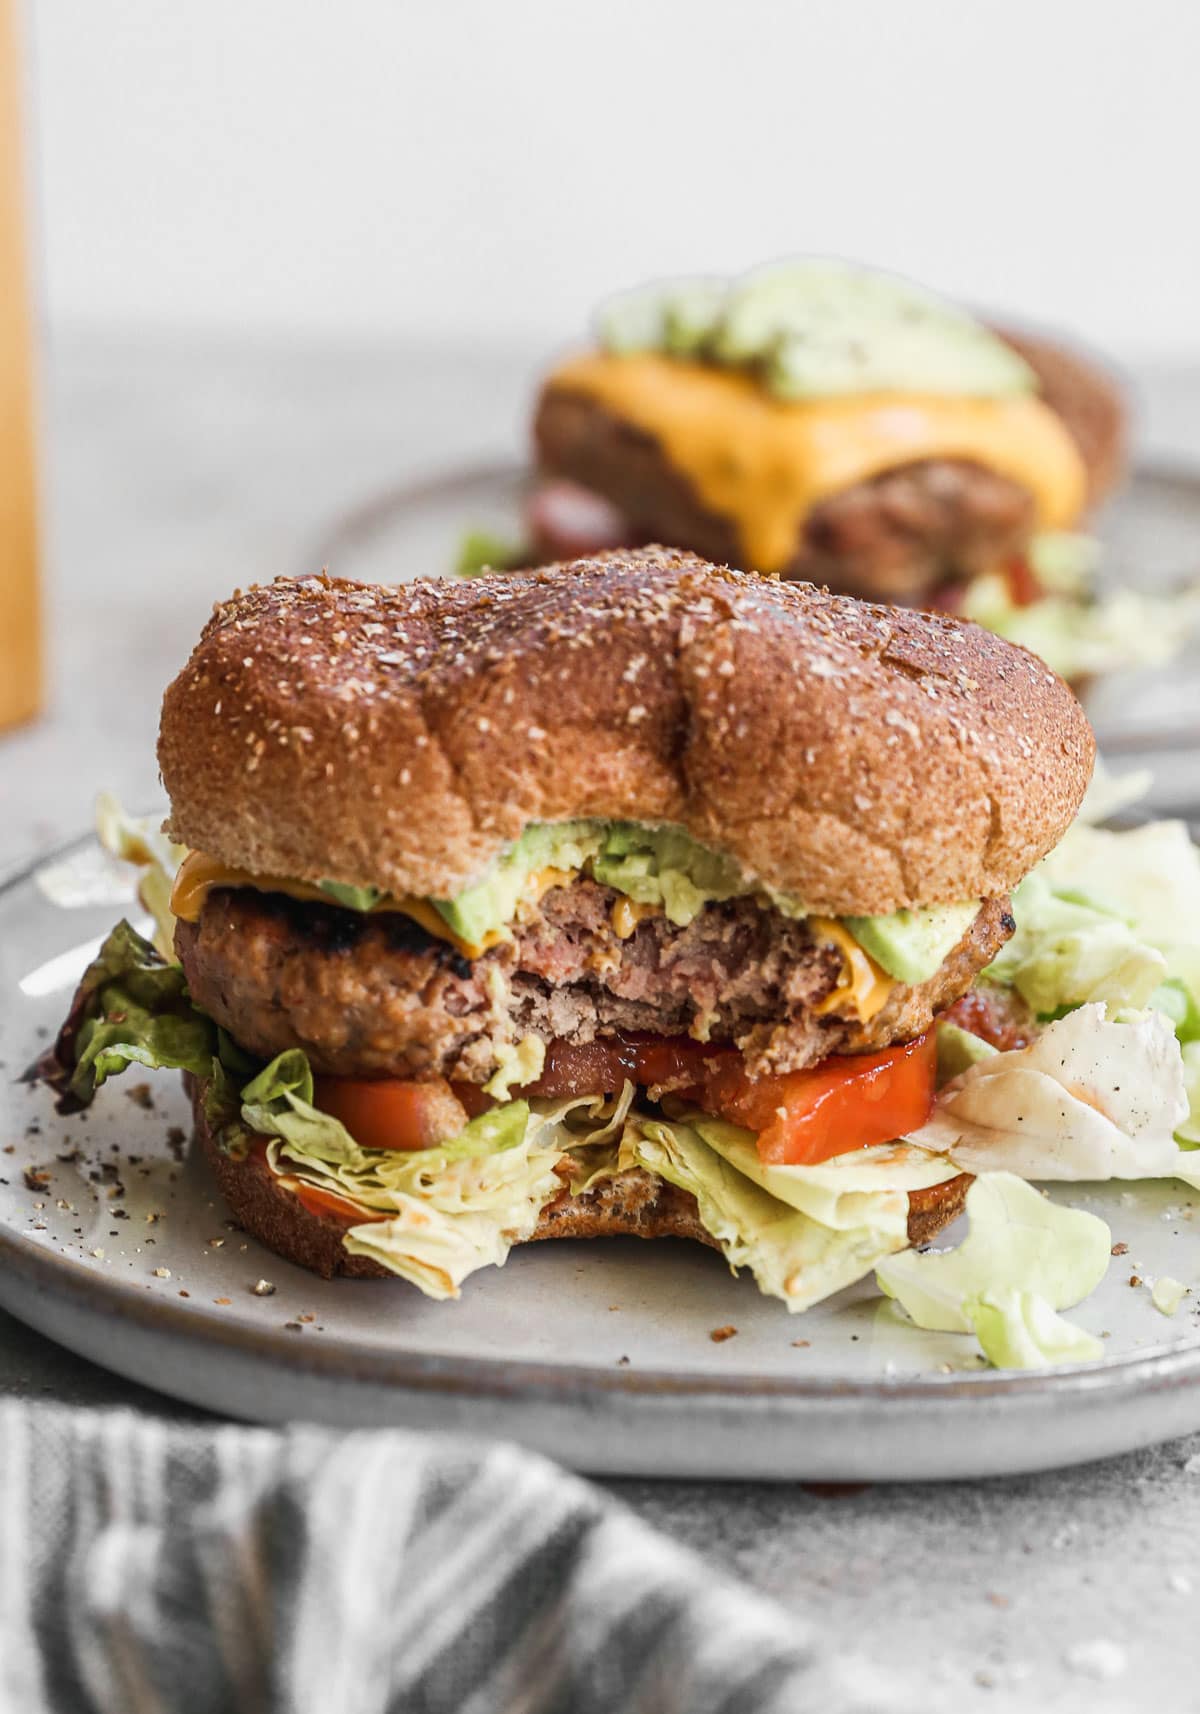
(828, 422)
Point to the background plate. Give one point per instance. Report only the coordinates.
(112, 1241)
(1151, 541)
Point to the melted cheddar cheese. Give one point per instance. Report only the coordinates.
(199, 874)
(764, 463)
(626, 914)
(863, 984)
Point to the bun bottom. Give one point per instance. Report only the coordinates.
(635, 1204)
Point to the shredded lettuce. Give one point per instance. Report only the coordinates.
(1111, 917)
(440, 1213)
(1070, 949)
(1018, 1241)
(791, 1256)
(1079, 638)
(1064, 561)
(140, 840)
(1090, 1099)
(1187, 1133)
(867, 1187)
(957, 1049)
(1149, 875)
(443, 1212)
(518, 1065)
(1166, 1294)
(1020, 1330)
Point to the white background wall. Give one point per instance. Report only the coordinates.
(489, 167)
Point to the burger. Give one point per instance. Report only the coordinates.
(619, 899)
(831, 423)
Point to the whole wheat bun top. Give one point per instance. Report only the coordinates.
(860, 757)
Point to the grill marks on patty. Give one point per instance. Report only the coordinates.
(378, 996)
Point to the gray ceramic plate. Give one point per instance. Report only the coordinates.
(112, 1241)
(1150, 532)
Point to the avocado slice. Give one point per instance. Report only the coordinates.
(912, 944)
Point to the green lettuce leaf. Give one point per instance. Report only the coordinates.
(1147, 875)
(1020, 1330)
(131, 1007)
(790, 1255)
(867, 1187)
(588, 1130)
(1018, 1241)
(483, 550)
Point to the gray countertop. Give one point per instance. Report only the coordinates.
(179, 469)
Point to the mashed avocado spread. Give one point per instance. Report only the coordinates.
(815, 328)
(664, 868)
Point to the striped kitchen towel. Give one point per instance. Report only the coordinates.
(158, 1568)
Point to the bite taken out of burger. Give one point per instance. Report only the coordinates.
(616, 899)
(827, 422)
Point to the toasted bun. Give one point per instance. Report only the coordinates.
(863, 758)
(1088, 400)
(633, 1205)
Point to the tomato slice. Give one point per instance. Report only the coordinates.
(996, 1015)
(1023, 585)
(847, 1102)
(328, 1202)
(325, 1202)
(850, 1101)
(390, 1113)
(602, 1066)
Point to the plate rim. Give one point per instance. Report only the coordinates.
(1164, 1365)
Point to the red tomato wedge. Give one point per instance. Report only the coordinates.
(847, 1102)
(995, 1014)
(588, 1068)
(1023, 585)
(325, 1202)
(328, 1202)
(390, 1113)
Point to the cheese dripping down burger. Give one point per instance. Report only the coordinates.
(615, 899)
(828, 422)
